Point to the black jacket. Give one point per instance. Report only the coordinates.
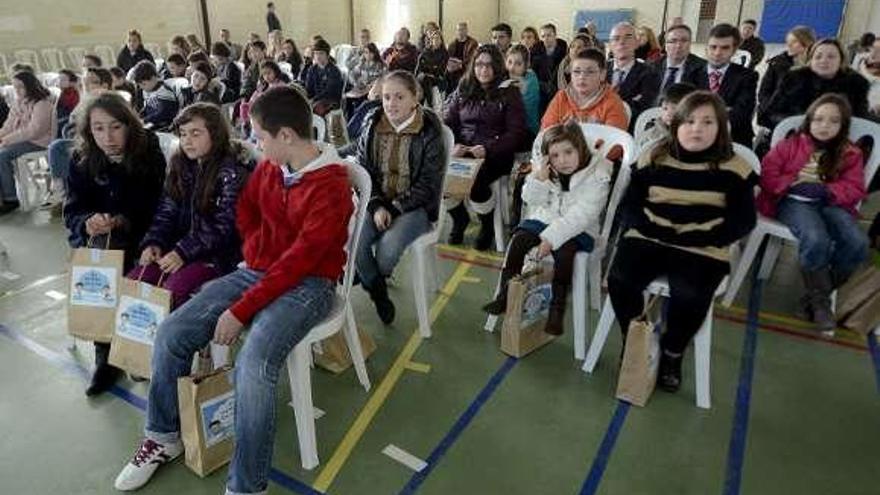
(755, 46)
(738, 88)
(692, 65)
(800, 87)
(777, 67)
(639, 89)
(427, 165)
(126, 60)
(230, 74)
(114, 191)
(272, 22)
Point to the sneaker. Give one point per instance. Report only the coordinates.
(149, 456)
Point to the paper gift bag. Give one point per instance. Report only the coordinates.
(332, 353)
(207, 419)
(139, 314)
(93, 292)
(460, 176)
(859, 301)
(641, 360)
(528, 305)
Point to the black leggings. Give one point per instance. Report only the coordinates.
(692, 279)
(563, 258)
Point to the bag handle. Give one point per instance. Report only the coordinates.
(651, 302)
(161, 279)
(106, 246)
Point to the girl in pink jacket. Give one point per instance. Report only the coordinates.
(812, 182)
(29, 127)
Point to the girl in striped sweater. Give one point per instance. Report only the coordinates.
(689, 199)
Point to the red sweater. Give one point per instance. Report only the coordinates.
(292, 233)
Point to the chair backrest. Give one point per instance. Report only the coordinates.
(55, 91)
(49, 79)
(629, 112)
(858, 129)
(168, 142)
(341, 53)
(29, 57)
(645, 120)
(54, 59)
(319, 127)
(107, 54)
(155, 50)
(125, 96)
(609, 136)
(7, 92)
(240, 66)
(742, 57)
(75, 55)
(748, 155)
(449, 143)
(286, 68)
(360, 182)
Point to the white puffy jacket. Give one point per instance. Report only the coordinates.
(572, 212)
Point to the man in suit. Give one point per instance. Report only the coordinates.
(735, 84)
(636, 82)
(679, 64)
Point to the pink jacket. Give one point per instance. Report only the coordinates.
(781, 165)
(30, 121)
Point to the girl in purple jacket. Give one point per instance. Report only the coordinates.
(192, 238)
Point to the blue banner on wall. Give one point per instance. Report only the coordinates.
(781, 15)
(603, 19)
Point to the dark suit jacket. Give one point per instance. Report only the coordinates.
(692, 65)
(639, 89)
(738, 89)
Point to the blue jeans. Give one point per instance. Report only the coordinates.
(274, 332)
(59, 158)
(8, 155)
(389, 245)
(828, 236)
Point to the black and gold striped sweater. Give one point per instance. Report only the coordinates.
(683, 203)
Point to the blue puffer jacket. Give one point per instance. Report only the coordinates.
(195, 236)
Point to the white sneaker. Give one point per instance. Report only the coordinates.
(149, 456)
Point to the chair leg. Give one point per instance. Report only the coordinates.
(702, 361)
(304, 411)
(23, 180)
(219, 355)
(492, 320)
(498, 214)
(579, 288)
(774, 246)
(349, 331)
(742, 268)
(599, 336)
(595, 285)
(421, 291)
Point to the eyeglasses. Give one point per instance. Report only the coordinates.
(585, 73)
(618, 39)
(677, 41)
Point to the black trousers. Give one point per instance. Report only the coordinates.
(692, 279)
(523, 241)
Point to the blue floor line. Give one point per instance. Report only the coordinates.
(739, 432)
(463, 421)
(874, 349)
(600, 462)
(74, 368)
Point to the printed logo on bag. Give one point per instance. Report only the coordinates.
(93, 286)
(218, 418)
(536, 304)
(138, 320)
(461, 169)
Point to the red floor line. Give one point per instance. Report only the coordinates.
(483, 264)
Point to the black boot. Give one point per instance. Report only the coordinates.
(486, 238)
(818, 284)
(460, 220)
(556, 320)
(669, 374)
(499, 304)
(8, 206)
(105, 375)
(384, 306)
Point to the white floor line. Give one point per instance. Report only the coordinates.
(33, 285)
(404, 457)
(54, 294)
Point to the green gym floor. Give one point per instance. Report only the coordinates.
(791, 413)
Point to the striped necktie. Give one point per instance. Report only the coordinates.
(715, 81)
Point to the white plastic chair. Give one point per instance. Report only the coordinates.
(338, 114)
(424, 259)
(107, 54)
(29, 57)
(341, 317)
(587, 270)
(155, 50)
(29, 169)
(319, 127)
(75, 55)
(775, 231)
(49, 79)
(7, 92)
(644, 120)
(286, 68)
(168, 142)
(629, 113)
(742, 57)
(54, 59)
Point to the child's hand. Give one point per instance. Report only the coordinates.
(459, 150)
(382, 219)
(544, 248)
(171, 262)
(543, 173)
(479, 151)
(150, 254)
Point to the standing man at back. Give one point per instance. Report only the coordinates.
(679, 64)
(636, 82)
(735, 84)
(751, 42)
(271, 19)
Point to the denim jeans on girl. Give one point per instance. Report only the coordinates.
(389, 245)
(8, 155)
(828, 236)
(273, 333)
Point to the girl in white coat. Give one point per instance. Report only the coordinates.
(564, 202)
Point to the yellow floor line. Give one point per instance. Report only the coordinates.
(418, 367)
(472, 280)
(374, 403)
(471, 252)
(802, 326)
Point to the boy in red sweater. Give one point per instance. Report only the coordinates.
(293, 217)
